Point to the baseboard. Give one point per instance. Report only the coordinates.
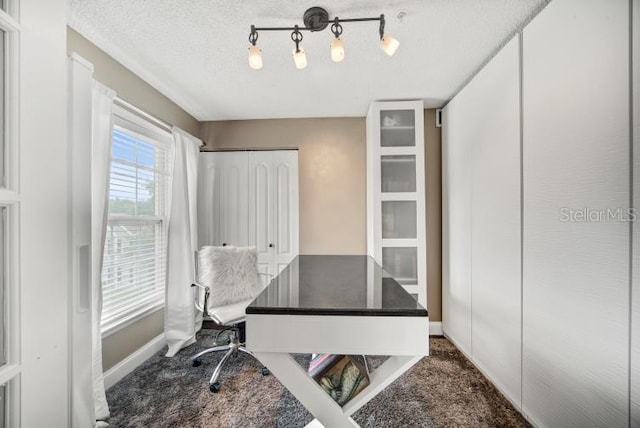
(129, 364)
(435, 328)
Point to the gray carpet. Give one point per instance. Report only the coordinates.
(442, 390)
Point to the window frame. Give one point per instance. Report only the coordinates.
(140, 128)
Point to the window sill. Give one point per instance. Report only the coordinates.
(117, 325)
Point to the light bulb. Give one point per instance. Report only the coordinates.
(337, 50)
(388, 44)
(255, 57)
(300, 58)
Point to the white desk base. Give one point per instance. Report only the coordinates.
(272, 338)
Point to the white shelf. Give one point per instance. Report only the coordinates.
(398, 196)
(397, 150)
(411, 288)
(398, 128)
(395, 243)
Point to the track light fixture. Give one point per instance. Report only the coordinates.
(317, 19)
(299, 56)
(337, 45)
(255, 53)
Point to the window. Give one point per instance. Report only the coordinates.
(135, 251)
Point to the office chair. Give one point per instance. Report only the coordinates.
(228, 280)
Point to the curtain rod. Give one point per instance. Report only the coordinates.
(126, 104)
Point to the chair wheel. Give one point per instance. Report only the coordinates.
(214, 387)
(196, 363)
(265, 371)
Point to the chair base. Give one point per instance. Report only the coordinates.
(232, 349)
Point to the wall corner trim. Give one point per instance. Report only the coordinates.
(129, 364)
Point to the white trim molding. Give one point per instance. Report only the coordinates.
(155, 78)
(133, 361)
(435, 328)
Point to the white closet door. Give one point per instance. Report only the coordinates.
(285, 194)
(273, 207)
(261, 208)
(223, 199)
(576, 264)
(456, 236)
(494, 132)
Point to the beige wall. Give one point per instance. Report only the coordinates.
(332, 171)
(119, 345)
(131, 88)
(128, 85)
(433, 192)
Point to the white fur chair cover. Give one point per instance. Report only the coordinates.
(231, 273)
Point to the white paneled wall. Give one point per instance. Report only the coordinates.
(635, 326)
(495, 226)
(554, 336)
(456, 234)
(575, 268)
(482, 306)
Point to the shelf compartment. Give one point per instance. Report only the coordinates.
(401, 263)
(399, 220)
(397, 128)
(398, 173)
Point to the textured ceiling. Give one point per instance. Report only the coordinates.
(195, 52)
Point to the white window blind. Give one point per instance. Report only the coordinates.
(135, 252)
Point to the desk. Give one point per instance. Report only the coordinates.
(336, 305)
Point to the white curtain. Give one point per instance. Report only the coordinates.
(102, 124)
(182, 320)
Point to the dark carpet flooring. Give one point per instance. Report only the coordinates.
(442, 390)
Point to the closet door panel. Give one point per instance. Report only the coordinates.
(576, 263)
(494, 95)
(457, 225)
(223, 199)
(283, 208)
(261, 208)
(234, 202)
(285, 222)
(209, 191)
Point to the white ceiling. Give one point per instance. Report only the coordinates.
(195, 52)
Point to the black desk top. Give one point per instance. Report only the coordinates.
(335, 285)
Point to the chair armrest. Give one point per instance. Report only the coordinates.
(202, 308)
(197, 284)
(265, 274)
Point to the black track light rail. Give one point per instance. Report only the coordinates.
(254, 28)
